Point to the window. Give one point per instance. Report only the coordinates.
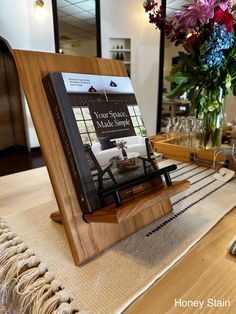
(86, 126)
(137, 120)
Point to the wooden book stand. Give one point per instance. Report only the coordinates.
(98, 232)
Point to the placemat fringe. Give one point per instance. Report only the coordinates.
(3, 310)
(26, 285)
(52, 305)
(64, 308)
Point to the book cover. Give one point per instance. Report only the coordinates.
(102, 133)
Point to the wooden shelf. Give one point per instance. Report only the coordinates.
(111, 214)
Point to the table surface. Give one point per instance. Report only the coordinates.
(206, 272)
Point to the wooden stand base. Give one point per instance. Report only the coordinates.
(56, 216)
(111, 214)
(85, 239)
(141, 203)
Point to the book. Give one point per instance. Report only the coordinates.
(102, 134)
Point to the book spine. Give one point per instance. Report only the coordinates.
(55, 108)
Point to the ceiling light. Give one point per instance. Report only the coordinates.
(39, 3)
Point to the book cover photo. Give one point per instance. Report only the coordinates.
(103, 136)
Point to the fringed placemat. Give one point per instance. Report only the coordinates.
(26, 284)
(36, 263)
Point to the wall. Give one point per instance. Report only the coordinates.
(230, 108)
(24, 29)
(171, 51)
(127, 19)
(86, 48)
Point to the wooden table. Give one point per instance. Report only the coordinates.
(206, 272)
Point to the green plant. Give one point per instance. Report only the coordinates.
(206, 30)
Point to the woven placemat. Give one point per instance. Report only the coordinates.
(112, 280)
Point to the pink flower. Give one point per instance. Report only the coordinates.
(225, 5)
(223, 17)
(192, 13)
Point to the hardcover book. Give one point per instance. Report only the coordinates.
(103, 137)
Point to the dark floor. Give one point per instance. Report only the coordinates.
(16, 159)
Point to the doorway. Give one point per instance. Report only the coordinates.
(14, 154)
(12, 131)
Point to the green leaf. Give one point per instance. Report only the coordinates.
(179, 90)
(194, 99)
(213, 105)
(200, 115)
(178, 78)
(203, 68)
(233, 8)
(187, 60)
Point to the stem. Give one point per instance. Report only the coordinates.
(213, 124)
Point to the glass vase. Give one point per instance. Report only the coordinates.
(184, 132)
(197, 134)
(170, 129)
(213, 125)
(124, 153)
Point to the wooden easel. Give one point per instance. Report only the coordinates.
(85, 239)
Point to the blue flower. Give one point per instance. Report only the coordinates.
(220, 40)
(214, 58)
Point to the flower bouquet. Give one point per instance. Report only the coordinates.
(122, 145)
(207, 67)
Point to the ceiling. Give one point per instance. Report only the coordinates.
(76, 19)
(174, 5)
(77, 23)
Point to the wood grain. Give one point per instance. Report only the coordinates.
(182, 153)
(207, 271)
(6, 130)
(139, 204)
(25, 190)
(15, 100)
(12, 131)
(85, 239)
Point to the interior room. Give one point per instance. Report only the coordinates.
(117, 156)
